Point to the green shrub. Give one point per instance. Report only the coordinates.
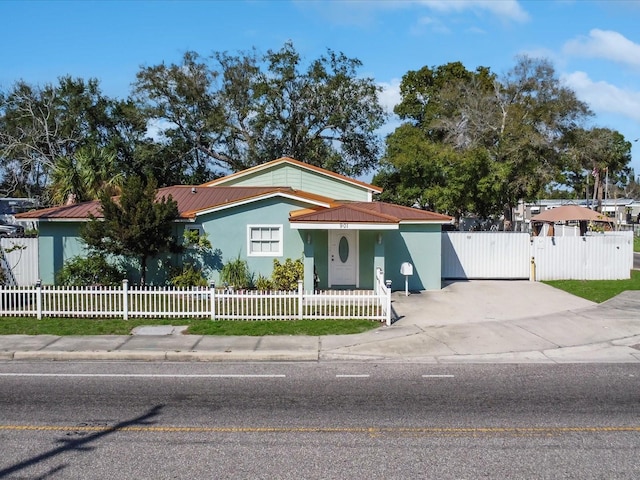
(263, 283)
(189, 276)
(285, 275)
(91, 270)
(193, 239)
(235, 273)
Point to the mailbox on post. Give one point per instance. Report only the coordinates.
(406, 269)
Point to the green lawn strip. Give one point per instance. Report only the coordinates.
(98, 326)
(276, 327)
(598, 290)
(636, 244)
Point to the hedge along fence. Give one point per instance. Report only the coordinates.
(218, 304)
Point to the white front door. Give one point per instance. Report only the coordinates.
(343, 257)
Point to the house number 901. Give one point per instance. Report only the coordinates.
(344, 225)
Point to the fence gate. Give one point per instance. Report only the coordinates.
(486, 255)
(508, 255)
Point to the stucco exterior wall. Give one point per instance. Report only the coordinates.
(57, 242)
(421, 246)
(228, 233)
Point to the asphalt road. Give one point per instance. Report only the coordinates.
(310, 420)
(636, 261)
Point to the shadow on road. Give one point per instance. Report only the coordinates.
(80, 445)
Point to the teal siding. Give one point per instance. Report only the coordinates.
(57, 242)
(227, 231)
(366, 259)
(285, 175)
(421, 246)
(321, 257)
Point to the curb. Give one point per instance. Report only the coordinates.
(596, 353)
(160, 356)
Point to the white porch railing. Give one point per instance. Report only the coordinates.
(384, 292)
(126, 302)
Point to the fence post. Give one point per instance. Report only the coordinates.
(212, 296)
(125, 299)
(300, 298)
(387, 293)
(39, 299)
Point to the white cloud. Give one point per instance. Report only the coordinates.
(390, 95)
(604, 97)
(363, 13)
(605, 44)
(428, 23)
(506, 9)
(389, 98)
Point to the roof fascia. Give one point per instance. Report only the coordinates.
(56, 220)
(426, 222)
(246, 201)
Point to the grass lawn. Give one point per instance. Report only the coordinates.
(90, 326)
(598, 290)
(636, 244)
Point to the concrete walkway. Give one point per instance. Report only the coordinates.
(469, 321)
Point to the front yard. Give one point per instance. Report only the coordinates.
(89, 326)
(594, 290)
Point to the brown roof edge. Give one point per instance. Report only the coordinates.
(383, 212)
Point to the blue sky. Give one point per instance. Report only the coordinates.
(594, 45)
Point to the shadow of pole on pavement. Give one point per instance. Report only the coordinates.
(81, 444)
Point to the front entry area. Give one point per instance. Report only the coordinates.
(343, 258)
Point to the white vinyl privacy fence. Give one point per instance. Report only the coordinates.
(515, 255)
(593, 257)
(157, 302)
(19, 260)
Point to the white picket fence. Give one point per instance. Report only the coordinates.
(161, 302)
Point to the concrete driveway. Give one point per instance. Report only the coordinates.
(475, 301)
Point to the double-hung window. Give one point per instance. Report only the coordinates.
(264, 240)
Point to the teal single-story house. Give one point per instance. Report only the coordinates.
(278, 210)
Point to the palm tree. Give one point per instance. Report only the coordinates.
(85, 175)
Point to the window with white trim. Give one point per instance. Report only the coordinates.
(196, 231)
(264, 240)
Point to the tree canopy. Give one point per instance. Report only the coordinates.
(49, 128)
(484, 142)
(189, 122)
(230, 112)
(481, 141)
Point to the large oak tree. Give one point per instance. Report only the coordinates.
(225, 112)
